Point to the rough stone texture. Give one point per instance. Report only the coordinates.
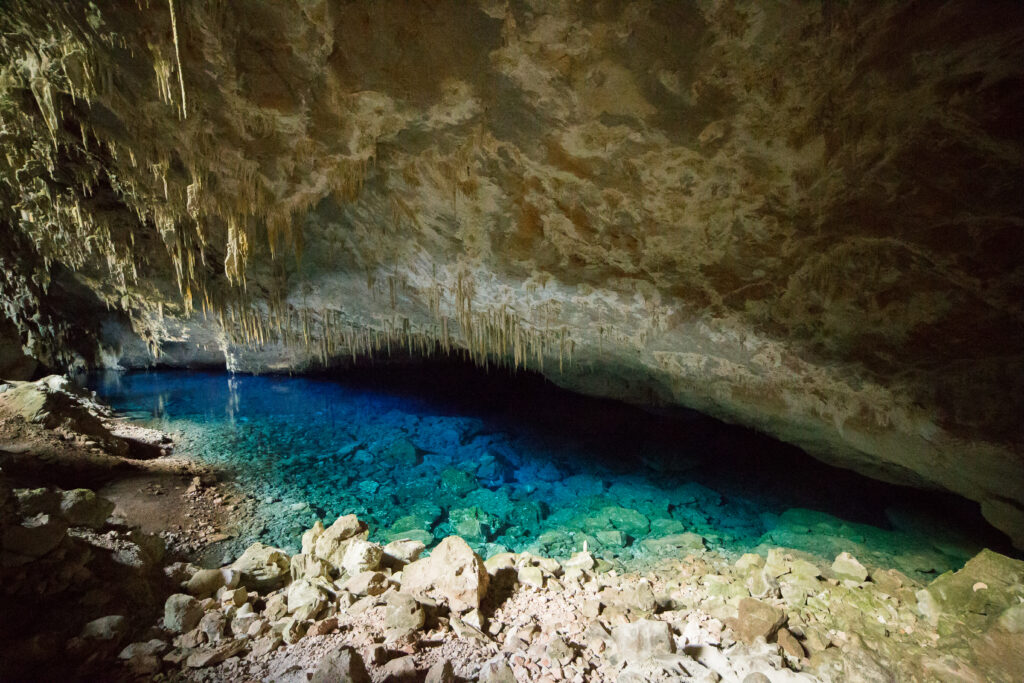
(804, 217)
(757, 619)
(181, 613)
(263, 567)
(642, 640)
(344, 665)
(453, 573)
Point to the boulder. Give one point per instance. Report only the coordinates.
(209, 656)
(182, 613)
(440, 672)
(496, 670)
(343, 665)
(361, 556)
(309, 537)
(82, 507)
(981, 591)
(34, 537)
(756, 619)
(403, 615)
(112, 628)
(262, 567)
(400, 670)
(330, 545)
(453, 574)
(143, 659)
(399, 553)
(582, 560)
(305, 599)
(642, 640)
(31, 502)
(55, 402)
(213, 625)
(367, 583)
(205, 583)
(846, 567)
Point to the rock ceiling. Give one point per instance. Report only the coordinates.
(801, 217)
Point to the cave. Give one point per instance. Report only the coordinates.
(508, 340)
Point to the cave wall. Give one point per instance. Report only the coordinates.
(801, 217)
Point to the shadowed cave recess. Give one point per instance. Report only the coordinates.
(338, 338)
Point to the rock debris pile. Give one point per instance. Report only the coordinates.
(348, 609)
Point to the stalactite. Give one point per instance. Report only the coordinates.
(177, 54)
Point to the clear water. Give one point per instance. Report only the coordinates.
(509, 462)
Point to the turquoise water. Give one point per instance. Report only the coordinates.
(509, 462)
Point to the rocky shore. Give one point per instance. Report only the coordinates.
(88, 595)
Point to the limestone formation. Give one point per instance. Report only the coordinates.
(802, 217)
(453, 573)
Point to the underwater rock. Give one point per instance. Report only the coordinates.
(453, 573)
(402, 453)
(418, 535)
(627, 520)
(457, 482)
(674, 544)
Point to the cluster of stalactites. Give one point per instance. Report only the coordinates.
(495, 337)
(157, 163)
(202, 197)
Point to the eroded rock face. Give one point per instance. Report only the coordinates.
(804, 218)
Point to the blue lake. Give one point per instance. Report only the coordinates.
(510, 462)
